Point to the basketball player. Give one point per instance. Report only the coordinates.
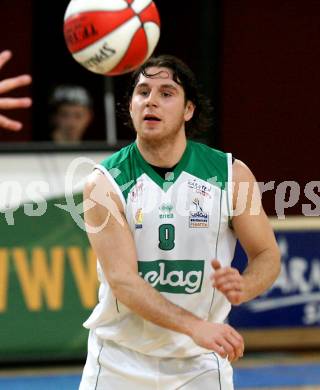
(12, 103)
(161, 225)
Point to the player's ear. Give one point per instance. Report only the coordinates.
(189, 110)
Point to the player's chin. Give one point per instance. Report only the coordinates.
(152, 134)
(151, 127)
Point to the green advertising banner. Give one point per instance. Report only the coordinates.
(48, 278)
(48, 286)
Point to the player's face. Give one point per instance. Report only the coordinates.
(158, 108)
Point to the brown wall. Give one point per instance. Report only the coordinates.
(270, 88)
(15, 32)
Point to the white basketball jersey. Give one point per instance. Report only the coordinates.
(179, 224)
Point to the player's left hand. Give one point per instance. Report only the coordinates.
(229, 281)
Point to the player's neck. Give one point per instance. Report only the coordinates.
(163, 154)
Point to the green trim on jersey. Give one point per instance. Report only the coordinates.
(199, 160)
(124, 169)
(162, 183)
(208, 164)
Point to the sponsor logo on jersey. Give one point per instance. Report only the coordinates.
(200, 188)
(173, 276)
(198, 218)
(165, 211)
(138, 218)
(136, 191)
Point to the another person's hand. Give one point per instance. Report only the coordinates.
(7, 103)
(229, 281)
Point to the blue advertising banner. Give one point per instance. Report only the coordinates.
(294, 299)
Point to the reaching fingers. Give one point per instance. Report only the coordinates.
(5, 57)
(9, 124)
(13, 103)
(14, 82)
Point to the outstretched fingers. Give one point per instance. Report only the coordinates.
(9, 124)
(10, 84)
(13, 103)
(5, 56)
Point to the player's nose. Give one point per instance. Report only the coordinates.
(152, 99)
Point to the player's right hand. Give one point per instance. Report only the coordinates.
(220, 338)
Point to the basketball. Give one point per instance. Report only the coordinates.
(111, 37)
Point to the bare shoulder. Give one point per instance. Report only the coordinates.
(98, 188)
(95, 178)
(241, 172)
(246, 192)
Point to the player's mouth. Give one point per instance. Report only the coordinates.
(150, 118)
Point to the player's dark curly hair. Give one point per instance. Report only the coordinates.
(182, 75)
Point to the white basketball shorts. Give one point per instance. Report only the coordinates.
(113, 367)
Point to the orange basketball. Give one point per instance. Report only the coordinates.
(111, 37)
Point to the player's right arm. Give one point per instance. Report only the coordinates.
(112, 241)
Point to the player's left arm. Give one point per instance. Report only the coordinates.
(256, 236)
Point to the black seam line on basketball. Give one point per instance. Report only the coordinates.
(217, 359)
(196, 377)
(138, 14)
(132, 38)
(135, 13)
(99, 364)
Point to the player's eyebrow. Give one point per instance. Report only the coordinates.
(142, 85)
(169, 86)
(161, 86)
